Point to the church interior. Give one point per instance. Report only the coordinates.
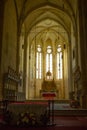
(43, 47)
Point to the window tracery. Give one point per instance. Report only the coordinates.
(49, 62)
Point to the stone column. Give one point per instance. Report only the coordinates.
(1, 34)
(82, 6)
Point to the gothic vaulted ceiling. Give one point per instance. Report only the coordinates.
(59, 13)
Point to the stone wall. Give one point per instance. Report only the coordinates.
(9, 39)
(9, 43)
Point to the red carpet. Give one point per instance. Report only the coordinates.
(46, 128)
(60, 123)
(71, 121)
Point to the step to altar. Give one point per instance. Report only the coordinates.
(72, 112)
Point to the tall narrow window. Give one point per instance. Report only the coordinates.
(38, 62)
(59, 62)
(49, 60)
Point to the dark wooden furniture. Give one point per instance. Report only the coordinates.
(10, 82)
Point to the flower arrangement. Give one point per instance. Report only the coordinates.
(31, 119)
(26, 119)
(75, 103)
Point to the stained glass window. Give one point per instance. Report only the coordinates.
(49, 59)
(59, 62)
(39, 62)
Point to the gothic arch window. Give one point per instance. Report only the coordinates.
(38, 62)
(49, 58)
(32, 62)
(49, 62)
(59, 62)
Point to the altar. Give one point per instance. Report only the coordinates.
(49, 90)
(37, 107)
